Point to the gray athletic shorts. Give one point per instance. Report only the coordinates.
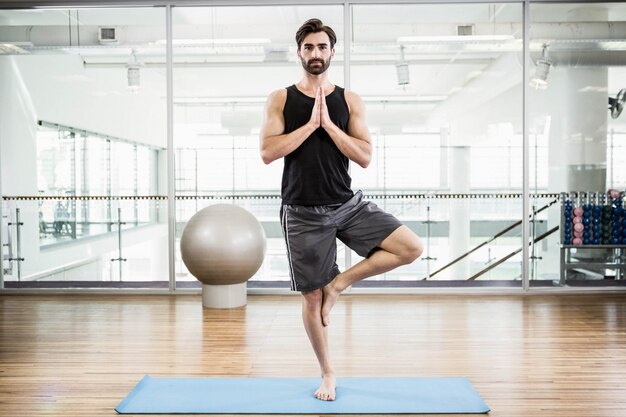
(311, 232)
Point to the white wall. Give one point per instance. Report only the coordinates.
(17, 140)
(97, 99)
(18, 130)
(57, 89)
(144, 248)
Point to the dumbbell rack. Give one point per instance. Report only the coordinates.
(598, 244)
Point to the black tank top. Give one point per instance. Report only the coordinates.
(316, 173)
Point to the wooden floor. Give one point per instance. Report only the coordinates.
(562, 355)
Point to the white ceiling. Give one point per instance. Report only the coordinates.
(293, 15)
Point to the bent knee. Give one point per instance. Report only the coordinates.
(412, 250)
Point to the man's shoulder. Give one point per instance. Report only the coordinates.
(351, 95)
(277, 97)
(353, 100)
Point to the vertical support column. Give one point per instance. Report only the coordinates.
(459, 233)
(577, 143)
(135, 186)
(108, 190)
(444, 134)
(171, 202)
(84, 188)
(347, 44)
(525, 151)
(71, 204)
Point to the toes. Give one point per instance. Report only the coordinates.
(324, 396)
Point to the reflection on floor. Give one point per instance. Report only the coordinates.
(527, 356)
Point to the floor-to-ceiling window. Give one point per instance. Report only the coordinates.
(83, 139)
(443, 89)
(83, 130)
(227, 60)
(576, 139)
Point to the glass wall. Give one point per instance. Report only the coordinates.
(83, 136)
(577, 139)
(227, 60)
(445, 112)
(82, 130)
(79, 163)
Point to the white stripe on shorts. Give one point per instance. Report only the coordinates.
(286, 232)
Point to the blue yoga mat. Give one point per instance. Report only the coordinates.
(295, 396)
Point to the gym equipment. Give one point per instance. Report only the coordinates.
(616, 105)
(593, 218)
(613, 193)
(295, 396)
(223, 245)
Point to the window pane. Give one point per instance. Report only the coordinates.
(578, 67)
(90, 117)
(224, 69)
(442, 86)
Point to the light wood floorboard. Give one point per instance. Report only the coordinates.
(551, 356)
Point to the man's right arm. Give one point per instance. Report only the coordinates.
(274, 143)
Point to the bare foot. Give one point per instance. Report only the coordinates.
(326, 391)
(330, 298)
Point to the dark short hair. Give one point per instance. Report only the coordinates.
(315, 26)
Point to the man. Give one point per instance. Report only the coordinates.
(318, 128)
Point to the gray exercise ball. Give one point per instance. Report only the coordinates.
(223, 244)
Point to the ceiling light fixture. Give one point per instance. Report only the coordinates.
(132, 72)
(402, 69)
(540, 79)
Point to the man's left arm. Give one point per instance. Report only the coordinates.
(356, 144)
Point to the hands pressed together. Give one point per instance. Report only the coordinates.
(319, 115)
